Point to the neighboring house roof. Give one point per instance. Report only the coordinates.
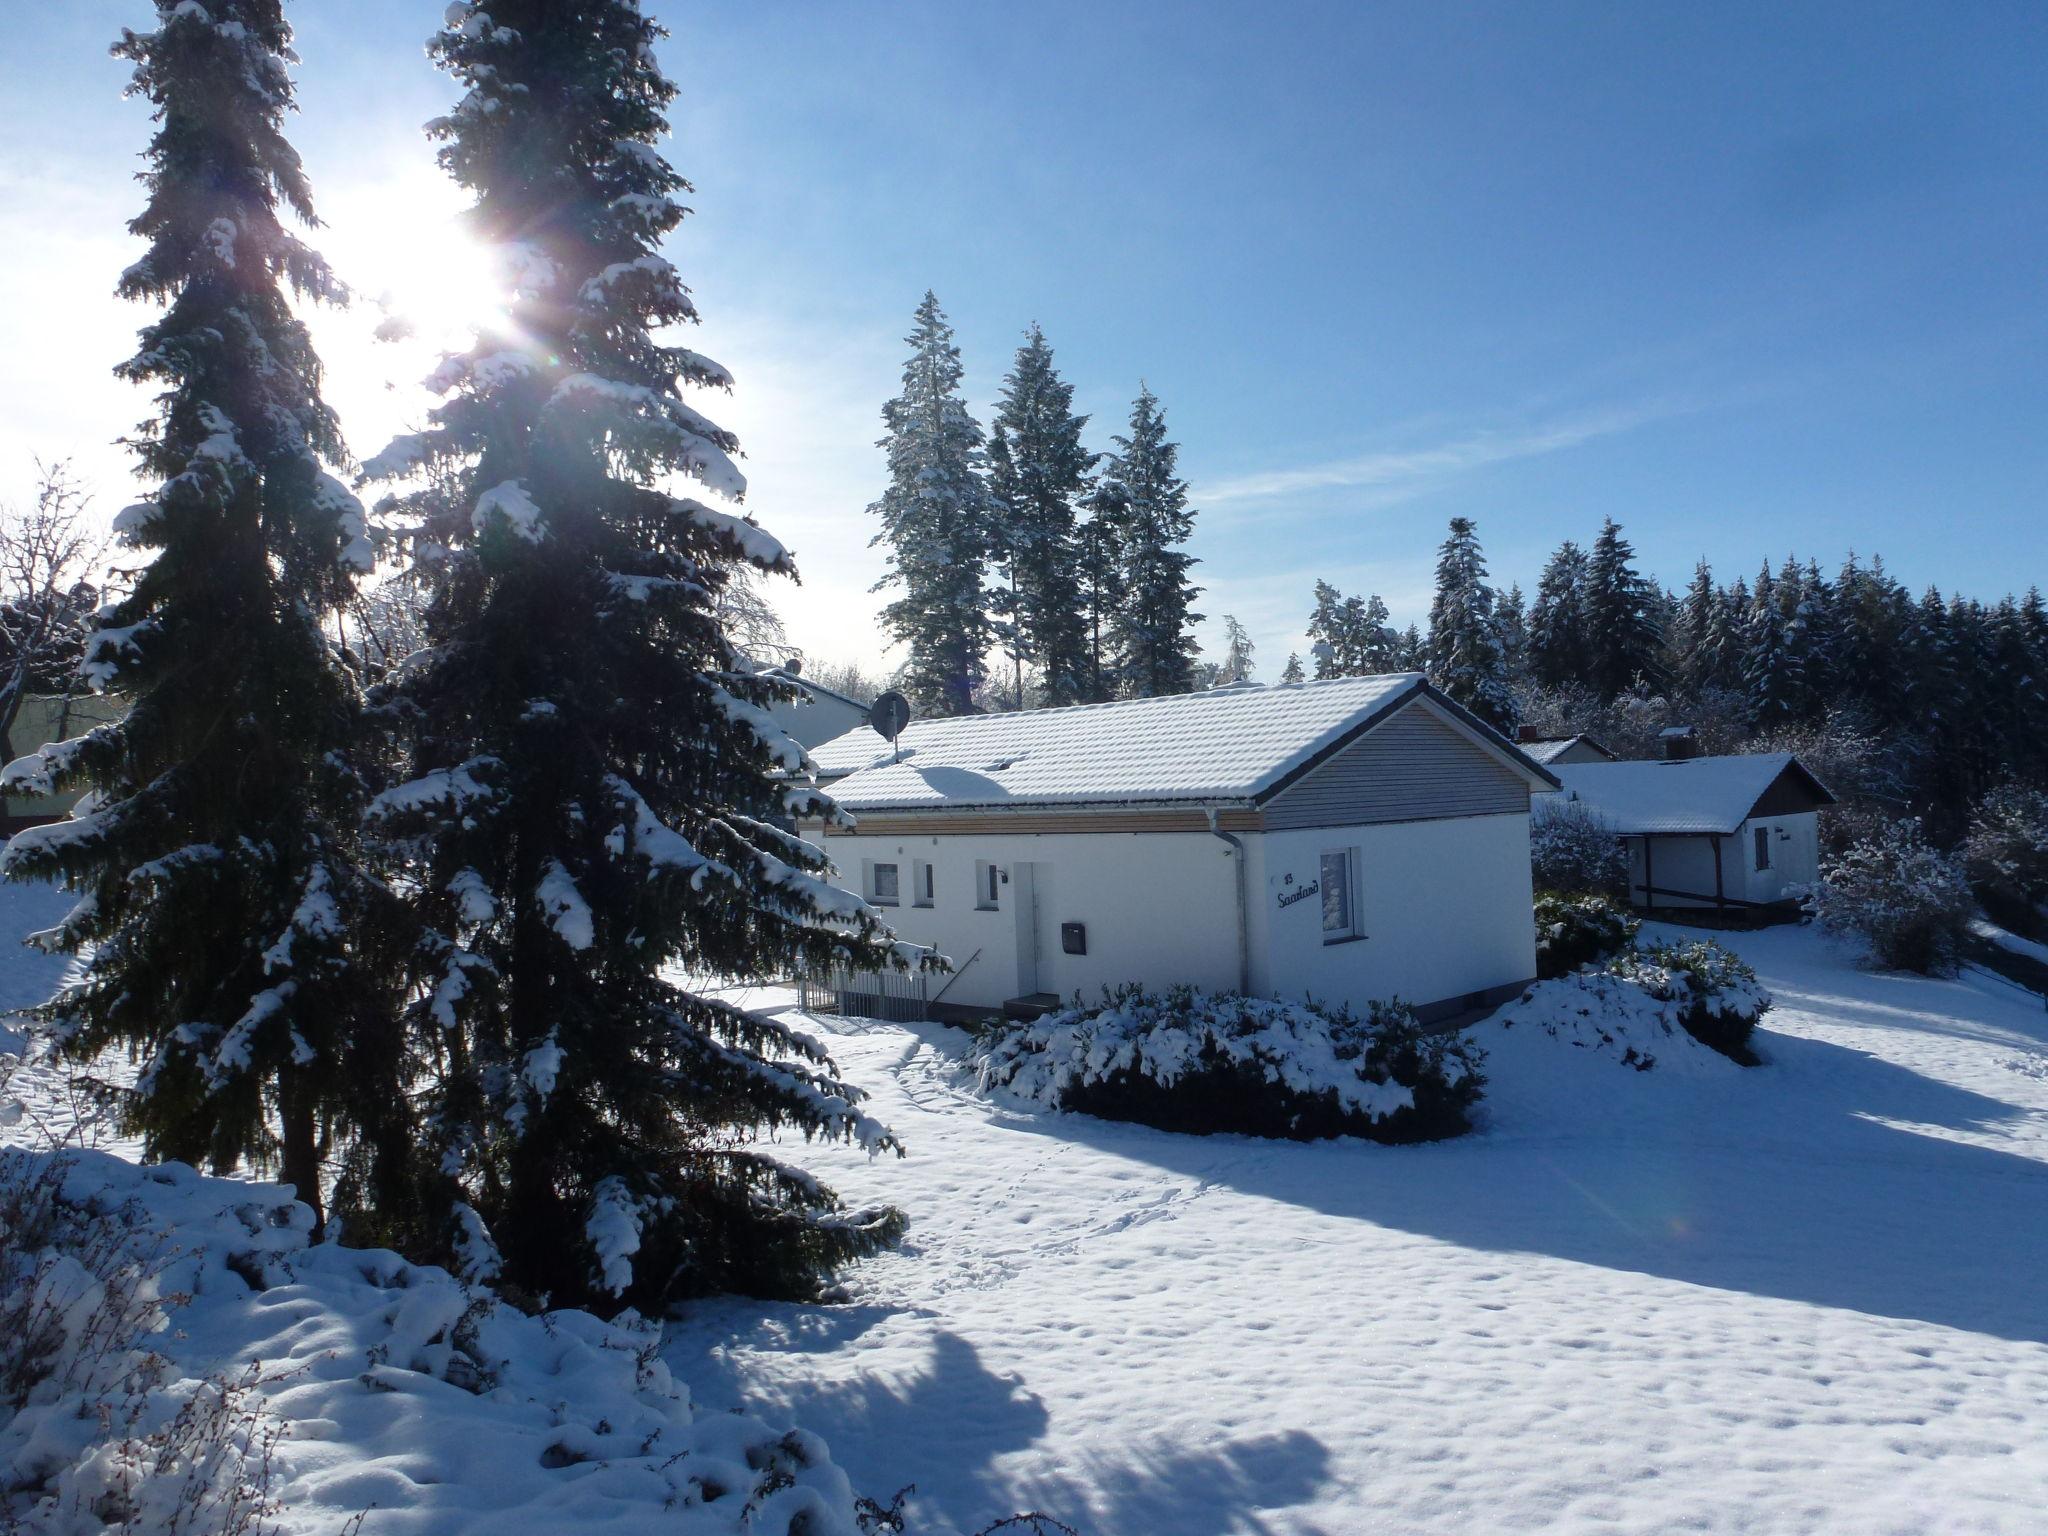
(1548, 750)
(1234, 745)
(1697, 794)
(808, 685)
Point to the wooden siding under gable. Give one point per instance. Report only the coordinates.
(1792, 793)
(1413, 766)
(972, 823)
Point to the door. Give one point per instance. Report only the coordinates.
(1024, 907)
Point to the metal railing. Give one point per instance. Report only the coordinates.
(898, 997)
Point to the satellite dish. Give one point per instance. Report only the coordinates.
(888, 715)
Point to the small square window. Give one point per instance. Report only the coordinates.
(1339, 921)
(1763, 848)
(883, 885)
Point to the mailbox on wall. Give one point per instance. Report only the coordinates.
(1074, 938)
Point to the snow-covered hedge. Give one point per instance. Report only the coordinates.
(1902, 896)
(174, 1346)
(1572, 931)
(1572, 851)
(1704, 987)
(1643, 1001)
(2006, 855)
(1205, 1062)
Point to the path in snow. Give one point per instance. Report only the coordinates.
(1802, 1298)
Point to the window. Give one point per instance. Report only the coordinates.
(1763, 847)
(920, 884)
(882, 885)
(988, 882)
(1339, 921)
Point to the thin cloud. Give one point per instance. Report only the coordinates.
(1402, 473)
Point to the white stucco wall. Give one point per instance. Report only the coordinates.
(1687, 863)
(1795, 855)
(1159, 907)
(1444, 906)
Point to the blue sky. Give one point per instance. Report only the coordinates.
(1748, 278)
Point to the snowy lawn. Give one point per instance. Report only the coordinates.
(1802, 1297)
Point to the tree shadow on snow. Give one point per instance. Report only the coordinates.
(1779, 1181)
(945, 1424)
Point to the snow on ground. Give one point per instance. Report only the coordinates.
(1801, 1298)
(2010, 942)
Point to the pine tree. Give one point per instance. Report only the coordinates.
(1292, 673)
(1514, 634)
(1326, 631)
(1698, 635)
(1466, 659)
(223, 906)
(1035, 530)
(1623, 636)
(1146, 503)
(935, 525)
(594, 791)
(1237, 652)
(1560, 650)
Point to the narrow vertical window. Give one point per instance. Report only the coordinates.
(1763, 847)
(1339, 922)
(920, 884)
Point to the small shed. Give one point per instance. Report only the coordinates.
(1556, 751)
(1731, 833)
(1347, 840)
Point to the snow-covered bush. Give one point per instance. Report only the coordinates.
(110, 1417)
(1572, 931)
(1905, 898)
(1573, 852)
(1206, 1062)
(1643, 1001)
(2006, 854)
(1704, 988)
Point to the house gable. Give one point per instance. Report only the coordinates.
(1417, 764)
(1792, 793)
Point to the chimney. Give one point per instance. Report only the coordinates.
(1680, 744)
(1524, 734)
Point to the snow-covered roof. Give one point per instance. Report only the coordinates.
(1696, 794)
(1225, 745)
(1551, 748)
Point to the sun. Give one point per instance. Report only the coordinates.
(425, 275)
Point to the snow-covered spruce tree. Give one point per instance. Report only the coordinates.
(1559, 646)
(589, 808)
(1040, 479)
(1466, 658)
(1624, 640)
(934, 518)
(1151, 627)
(222, 913)
(1237, 665)
(1292, 673)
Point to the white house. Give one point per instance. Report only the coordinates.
(1725, 832)
(1346, 840)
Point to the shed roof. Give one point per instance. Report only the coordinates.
(1696, 794)
(1550, 748)
(1231, 745)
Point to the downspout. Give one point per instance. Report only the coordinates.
(1244, 943)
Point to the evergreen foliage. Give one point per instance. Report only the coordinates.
(934, 518)
(590, 804)
(1467, 658)
(1144, 518)
(1623, 636)
(1560, 649)
(1237, 652)
(224, 916)
(1038, 478)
